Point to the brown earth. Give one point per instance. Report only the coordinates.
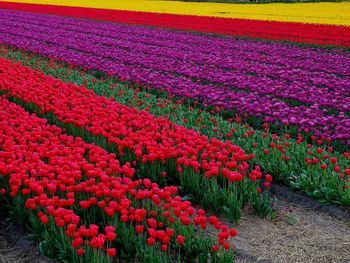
(296, 235)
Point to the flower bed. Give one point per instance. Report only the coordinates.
(321, 34)
(85, 205)
(258, 84)
(216, 173)
(287, 159)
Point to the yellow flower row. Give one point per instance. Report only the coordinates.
(319, 13)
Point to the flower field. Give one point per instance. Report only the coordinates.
(238, 75)
(316, 13)
(120, 140)
(325, 30)
(63, 177)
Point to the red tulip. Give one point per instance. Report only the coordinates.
(180, 240)
(112, 252)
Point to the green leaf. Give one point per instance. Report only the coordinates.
(188, 197)
(43, 248)
(316, 193)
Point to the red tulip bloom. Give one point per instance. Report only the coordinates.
(180, 240)
(151, 241)
(112, 252)
(139, 229)
(80, 252)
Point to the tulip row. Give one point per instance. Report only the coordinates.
(215, 173)
(273, 30)
(85, 205)
(286, 159)
(194, 52)
(250, 60)
(314, 13)
(320, 105)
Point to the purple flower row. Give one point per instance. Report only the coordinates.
(240, 70)
(125, 57)
(159, 59)
(221, 47)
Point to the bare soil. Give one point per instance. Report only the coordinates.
(14, 248)
(296, 235)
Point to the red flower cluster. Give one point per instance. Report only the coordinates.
(284, 156)
(274, 30)
(324, 161)
(149, 138)
(65, 182)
